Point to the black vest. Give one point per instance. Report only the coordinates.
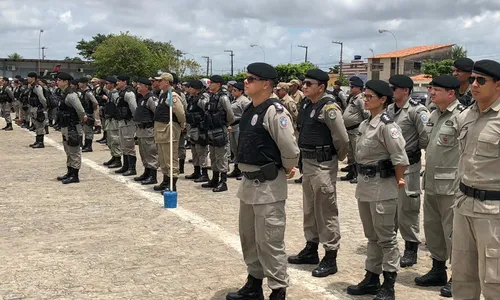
(67, 116)
(123, 110)
(162, 113)
(214, 116)
(143, 114)
(88, 107)
(110, 109)
(314, 133)
(3, 95)
(17, 92)
(33, 99)
(255, 144)
(99, 93)
(194, 113)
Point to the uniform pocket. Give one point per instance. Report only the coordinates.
(386, 212)
(275, 228)
(488, 146)
(486, 207)
(492, 265)
(461, 140)
(447, 137)
(444, 181)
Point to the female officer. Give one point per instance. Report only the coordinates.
(382, 160)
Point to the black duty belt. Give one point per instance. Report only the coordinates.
(145, 125)
(481, 195)
(368, 170)
(235, 123)
(414, 156)
(352, 127)
(257, 176)
(308, 154)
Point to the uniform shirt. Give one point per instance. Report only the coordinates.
(131, 100)
(291, 106)
(379, 141)
(73, 100)
(38, 90)
(90, 97)
(10, 93)
(479, 164)
(355, 112)
(151, 104)
(279, 126)
(238, 106)
(466, 98)
(298, 96)
(441, 155)
(225, 105)
(112, 124)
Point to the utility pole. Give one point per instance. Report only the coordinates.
(211, 66)
(232, 61)
(341, 52)
(43, 52)
(208, 63)
(306, 47)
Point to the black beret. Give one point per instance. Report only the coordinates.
(64, 76)
(487, 67)
(239, 86)
(143, 80)
(318, 75)
(123, 78)
(111, 79)
(380, 87)
(401, 81)
(74, 81)
(217, 79)
(83, 80)
(22, 80)
(32, 74)
(262, 70)
(464, 64)
(445, 81)
(301, 77)
(18, 76)
(6, 79)
(356, 81)
(196, 84)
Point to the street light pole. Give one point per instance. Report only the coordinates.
(341, 55)
(384, 30)
(208, 62)
(232, 61)
(39, 50)
(264, 52)
(305, 47)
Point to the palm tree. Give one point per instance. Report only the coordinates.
(15, 56)
(458, 52)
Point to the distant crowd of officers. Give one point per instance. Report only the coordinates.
(268, 129)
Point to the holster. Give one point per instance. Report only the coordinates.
(90, 120)
(270, 171)
(73, 139)
(40, 116)
(217, 137)
(386, 168)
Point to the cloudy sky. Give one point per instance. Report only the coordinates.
(207, 28)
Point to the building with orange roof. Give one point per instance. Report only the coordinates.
(409, 61)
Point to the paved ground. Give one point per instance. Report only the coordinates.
(110, 238)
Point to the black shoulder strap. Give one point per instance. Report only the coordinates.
(461, 107)
(386, 119)
(321, 103)
(414, 102)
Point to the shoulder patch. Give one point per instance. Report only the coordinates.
(414, 102)
(394, 133)
(331, 106)
(424, 117)
(386, 119)
(278, 106)
(283, 122)
(461, 107)
(332, 114)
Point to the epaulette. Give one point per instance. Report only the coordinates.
(386, 119)
(278, 106)
(414, 102)
(461, 107)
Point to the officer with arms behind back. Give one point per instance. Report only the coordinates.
(267, 154)
(90, 104)
(6, 100)
(38, 105)
(323, 141)
(475, 256)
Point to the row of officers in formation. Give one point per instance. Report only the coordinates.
(379, 128)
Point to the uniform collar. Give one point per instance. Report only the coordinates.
(452, 106)
(376, 120)
(496, 105)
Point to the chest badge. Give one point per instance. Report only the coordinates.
(445, 140)
(254, 119)
(312, 113)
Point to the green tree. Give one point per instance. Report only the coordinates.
(458, 52)
(15, 56)
(87, 48)
(124, 54)
(287, 72)
(165, 55)
(437, 68)
(76, 58)
(184, 65)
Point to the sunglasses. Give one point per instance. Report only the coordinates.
(251, 79)
(369, 97)
(480, 80)
(394, 88)
(309, 83)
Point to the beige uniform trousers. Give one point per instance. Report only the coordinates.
(438, 225)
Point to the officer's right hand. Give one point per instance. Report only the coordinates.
(401, 183)
(230, 129)
(105, 97)
(290, 173)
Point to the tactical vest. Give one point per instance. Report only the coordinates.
(162, 112)
(314, 133)
(143, 114)
(17, 92)
(88, 107)
(99, 93)
(4, 97)
(122, 108)
(194, 113)
(214, 116)
(24, 97)
(255, 144)
(67, 116)
(33, 99)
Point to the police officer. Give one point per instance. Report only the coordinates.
(95, 83)
(353, 115)
(71, 114)
(99, 93)
(144, 118)
(323, 141)
(412, 117)
(182, 138)
(267, 126)
(462, 70)
(282, 90)
(339, 95)
(475, 256)
(125, 107)
(218, 116)
(6, 100)
(161, 131)
(295, 92)
(89, 103)
(111, 124)
(440, 179)
(238, 106)
(25, 107)
(38, 110)
(16, 90)
(381, 161)
(195, 115)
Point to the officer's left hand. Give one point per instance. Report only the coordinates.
(401, 183)
(85, 118)
(290, 174)
(230, 129)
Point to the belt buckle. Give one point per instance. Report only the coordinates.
(366, 178)
(256, 182)
(480, 195)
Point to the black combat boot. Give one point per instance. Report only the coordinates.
(132, 160)
(181, 165)
(151, 179)
(40, 142)
(222, 186)
(117, 163)
(6, 125)
(370, 285)
(212, 183)
(410, 256)
(163, 185)
(346, 168)
(252, 290)
(73, 177)
(307, 256)
(235, 173)
(103, 139)
(355, 174)
(196, 174)
(435, 277)
(24, 124)
(446, 290)
(278, 294)
(204, 176)
(46, 129)
(327, 266)
(37, 140)
(144, 175)
(298, 180)
(124, 168)
(61, 178)
(9, 127)
(387, 289)
(87, 147)
(109, 162)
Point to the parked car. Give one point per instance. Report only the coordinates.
(422, 97)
